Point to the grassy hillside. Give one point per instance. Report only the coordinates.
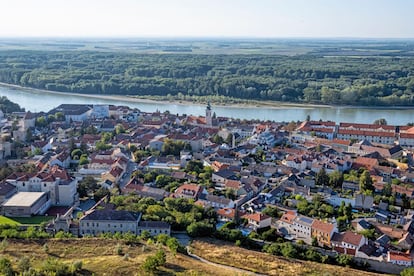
(264, 263)
(100, 257)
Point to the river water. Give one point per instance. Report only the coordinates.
(37, 101)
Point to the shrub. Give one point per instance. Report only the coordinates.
(344, 260)
(5, 267)
(162, 238)
(152, 263)
(76, 266)
(53, 266)
(173, 244)
(119, 250)
(4, 244)
(24, 264)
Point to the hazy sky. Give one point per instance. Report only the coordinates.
(208, 18)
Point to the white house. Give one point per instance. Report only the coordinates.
(57, 183)
(348, 242)
(302, 228)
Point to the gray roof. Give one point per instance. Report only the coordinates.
(6, 188)
(215, 199)
(226, 174)
(113, 215)
(304, 220)
(364, 224)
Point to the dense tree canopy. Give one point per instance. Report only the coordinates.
(8, 106)
(310, 78)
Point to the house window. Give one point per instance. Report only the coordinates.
(24, 184)
(44, 185)
(87, 224)
(120, 225)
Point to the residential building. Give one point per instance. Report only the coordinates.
(57, 182)
(154, 227)
(302, 228)
(323, 232)
(400, 258)
(192, 191)
(258, 220)
(348, 242)
(7, 190)
(26, 204)
(104, 221)
(217, 202)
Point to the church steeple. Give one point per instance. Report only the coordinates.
(209, 119)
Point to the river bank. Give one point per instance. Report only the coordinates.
(241, 103)
(150, 99)
(38, 100)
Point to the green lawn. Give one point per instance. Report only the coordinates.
(32, 220)
(24, 220)
(5, 220)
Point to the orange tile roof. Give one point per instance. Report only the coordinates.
(321, 226)
(288, 217)
(399, 256)
(366, 162)
(407, 135)
(367, 126)
(256, 217)
(234, 184)
(341, 142)
(366, 133)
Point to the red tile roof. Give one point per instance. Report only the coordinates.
(321, 226)
(288, 217)
(258, 217)
(399, 256)
(366, 162)
(352, 238)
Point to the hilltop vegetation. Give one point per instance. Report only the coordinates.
(380, 75)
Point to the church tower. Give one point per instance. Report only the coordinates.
(209, 119)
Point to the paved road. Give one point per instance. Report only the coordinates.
(127, 176)
(235, 269)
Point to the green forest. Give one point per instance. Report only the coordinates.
(385, 80)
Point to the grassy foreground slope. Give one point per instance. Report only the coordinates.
(100, 257)
(264, 263)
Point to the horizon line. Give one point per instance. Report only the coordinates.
(211, 37)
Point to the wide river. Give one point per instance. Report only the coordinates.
(37, 101)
